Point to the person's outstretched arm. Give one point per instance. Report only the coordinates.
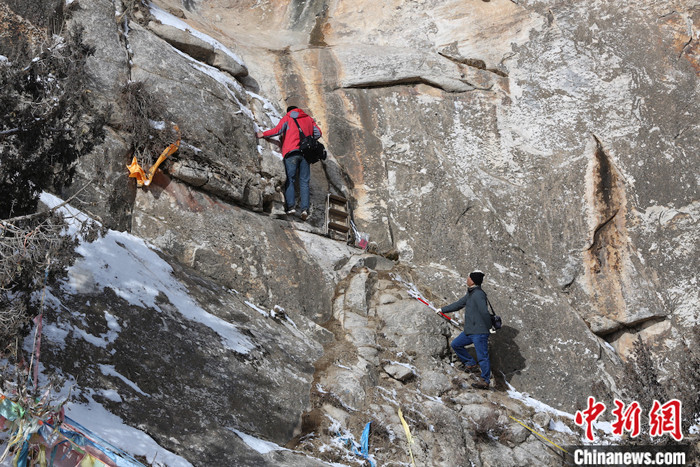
(455, 306)
(278, 130)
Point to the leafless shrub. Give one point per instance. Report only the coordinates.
(146, 123)
(32, 251)
(47, 121)
(687, 385)
(488, 428)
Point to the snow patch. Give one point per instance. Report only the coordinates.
(55, 334)
(257, 444)
(405, 250)
(535, 404)
(695, 428)
(112, 395)
(109, 370)
(558, 425)
(539, 406)
(257, 308)
(405, 365)
(134, 271)
(110, 427)
(157, 125)
(609, 346)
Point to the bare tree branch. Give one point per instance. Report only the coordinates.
(36, 214)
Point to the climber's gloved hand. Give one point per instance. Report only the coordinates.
(438, 310)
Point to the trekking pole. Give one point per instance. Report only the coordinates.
(452, 321)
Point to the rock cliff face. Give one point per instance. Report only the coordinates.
(553, 146)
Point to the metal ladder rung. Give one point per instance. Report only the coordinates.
(337, 199)
(338, 227)
(337, 212)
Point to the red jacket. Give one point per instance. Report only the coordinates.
(289, 131)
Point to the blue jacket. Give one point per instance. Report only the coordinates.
(477, 319)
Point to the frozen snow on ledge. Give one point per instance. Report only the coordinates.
(535, 404)
(539, 406)
(170, 20)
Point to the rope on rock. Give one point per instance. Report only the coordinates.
(533, 431)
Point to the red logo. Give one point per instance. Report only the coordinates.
(589, 416)
(666, 419)
(626, 420)
(663, 419)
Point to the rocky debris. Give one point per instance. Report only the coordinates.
(399, 372)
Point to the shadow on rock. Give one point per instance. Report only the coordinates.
(506, 359)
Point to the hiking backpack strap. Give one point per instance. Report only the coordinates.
(301, 133)
(310, 147)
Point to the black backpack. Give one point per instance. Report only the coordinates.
(310, 147)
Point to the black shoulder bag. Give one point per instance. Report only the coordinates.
(310, 147)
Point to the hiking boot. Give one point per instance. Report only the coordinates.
(472, 369)
(481, 384)
(304, 215)
(290, 211)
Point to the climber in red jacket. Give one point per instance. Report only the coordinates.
(294, 162)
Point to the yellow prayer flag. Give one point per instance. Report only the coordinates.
(408, 436)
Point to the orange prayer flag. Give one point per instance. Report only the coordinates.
(137, 172)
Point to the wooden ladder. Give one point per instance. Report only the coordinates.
(337, 218)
